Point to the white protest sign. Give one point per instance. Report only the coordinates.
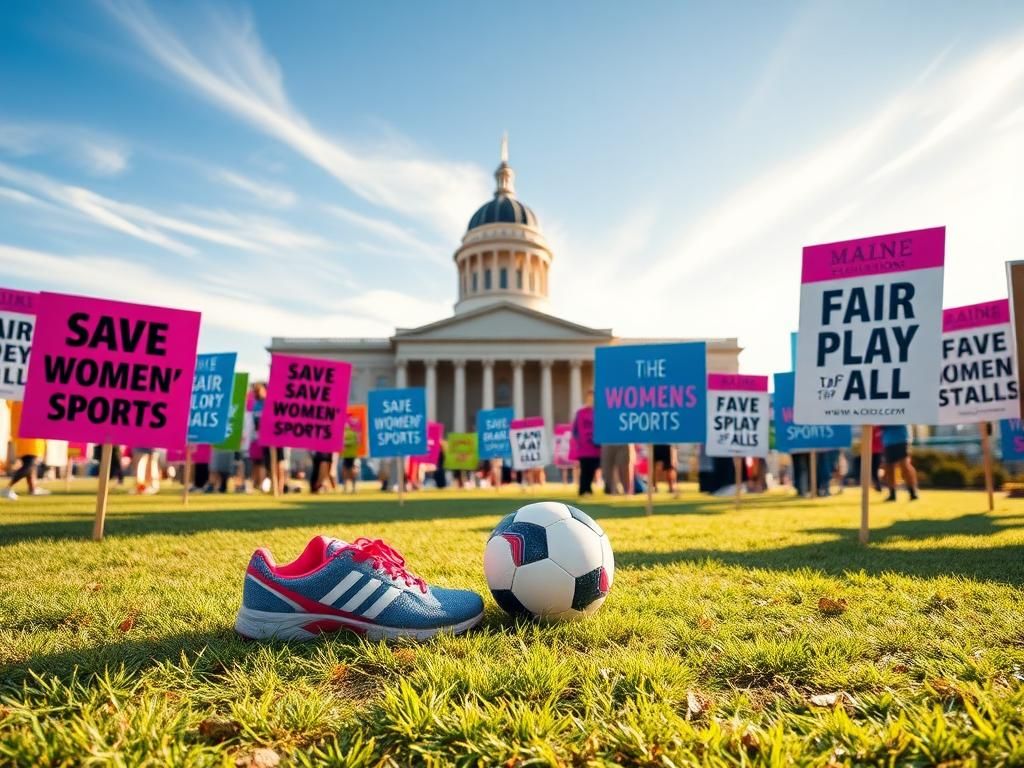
(869, 348)
(738, 415)
(529, 443)
(17, 324)
(979, 374)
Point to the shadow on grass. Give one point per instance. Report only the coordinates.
(266, 514)
(843, 553)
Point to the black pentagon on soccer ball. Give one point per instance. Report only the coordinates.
(509, 602)
(528, 541)
(589, 587)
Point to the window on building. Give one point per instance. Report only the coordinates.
(503, 278)
(519, 279)
(487, 280)
(474, 283)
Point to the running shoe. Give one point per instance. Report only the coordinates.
(363, 587)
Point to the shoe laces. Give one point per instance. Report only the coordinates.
(385, 558)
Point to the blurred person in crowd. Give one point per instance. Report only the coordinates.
(665, 463)
(588, 453)
(896, 446)
(29, 451)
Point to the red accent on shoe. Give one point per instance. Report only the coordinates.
(384, 558)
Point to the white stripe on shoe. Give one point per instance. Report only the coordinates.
(381, 603)
(359, 597)
(341, 588)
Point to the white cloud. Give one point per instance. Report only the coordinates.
(227, 65)
(268, 193)
(247, 233)
(254, 316)
(96, 153)
(390, 232)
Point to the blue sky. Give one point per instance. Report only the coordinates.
(308, 169)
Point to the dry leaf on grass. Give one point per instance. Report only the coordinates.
(749, 740)
(405, 655)
(218, 729)
(832, 607)
(129, 623)
(825, 699)
(94, 586)
(705, 624)
(696, 705)
(258, 758)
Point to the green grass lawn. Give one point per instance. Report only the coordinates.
(714, 648)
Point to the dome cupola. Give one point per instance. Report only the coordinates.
(503, 256)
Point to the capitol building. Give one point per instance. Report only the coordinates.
(501, 347)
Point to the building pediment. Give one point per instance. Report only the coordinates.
(503, 322)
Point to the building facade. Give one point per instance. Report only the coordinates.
(501, 347)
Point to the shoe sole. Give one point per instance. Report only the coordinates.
(268, 625)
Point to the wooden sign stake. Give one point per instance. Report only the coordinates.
(737, 463)
(106, 452)
(986, 451)
(865, 480)
(187, 479)
(650, 479)
(273, 472)
(814, 474)
(401, 480)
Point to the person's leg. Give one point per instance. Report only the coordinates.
(608, 469)
(876, 467)
(909, 476)
(890, 479)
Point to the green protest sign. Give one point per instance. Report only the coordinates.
(236, 414)
(461, 452)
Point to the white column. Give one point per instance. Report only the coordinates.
(575, 387)
(488, 393)
(402, 374)
(431, 388)
(547, 400)
(517, 388)
(459, 422)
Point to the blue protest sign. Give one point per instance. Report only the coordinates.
(1011, 439)
(398, 422)
(796, 438)
(650, 393)
(212, 386)
(492, 433)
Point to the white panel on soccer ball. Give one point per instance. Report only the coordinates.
(543, 513)
(597, 526)
(543, 588)
(608, 560)
(574, 546)
(499, 568)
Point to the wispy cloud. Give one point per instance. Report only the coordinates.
(268, 193)
(246, 233)
(226, 64)
(251, 318)
(389, 232)
(92, 151)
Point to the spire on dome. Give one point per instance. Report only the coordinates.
(505, 176)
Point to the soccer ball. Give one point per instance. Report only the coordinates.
(550, 561)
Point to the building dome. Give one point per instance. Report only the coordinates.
(503, 209)
(503, 257)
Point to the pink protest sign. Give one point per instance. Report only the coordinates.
(976, 316)
(737, 382)
(201, 454)
(979, 367)
(307, 398)
(869, 346)
(110, 372)
(563, 448)
(435, 434)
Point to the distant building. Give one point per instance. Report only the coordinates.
(501, 347)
